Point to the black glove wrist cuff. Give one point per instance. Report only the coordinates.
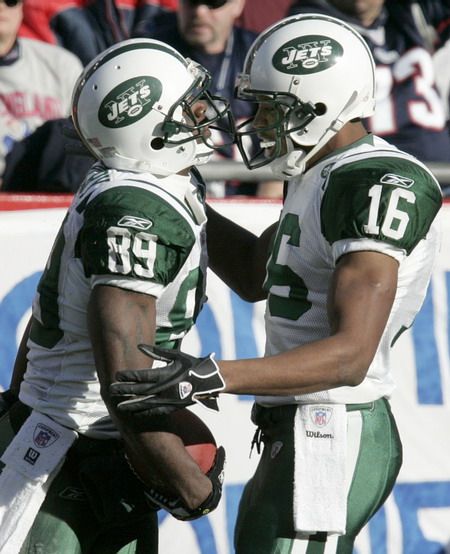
(211, 501)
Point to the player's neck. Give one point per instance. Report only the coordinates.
(350, 133)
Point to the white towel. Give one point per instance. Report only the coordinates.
(32, 460)
(320, 495)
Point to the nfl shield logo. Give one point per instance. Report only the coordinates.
(43, 436)
(320, 415)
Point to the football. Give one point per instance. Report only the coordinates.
(197, 439)
(196, 436)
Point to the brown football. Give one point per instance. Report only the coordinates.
(196, 437)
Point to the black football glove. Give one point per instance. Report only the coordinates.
(176, 507)
(183, 381)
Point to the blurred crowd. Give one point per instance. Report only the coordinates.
(44, 45)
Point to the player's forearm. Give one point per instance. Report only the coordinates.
(321, 365)
(237, 256)
(360, 299)
(118, 322)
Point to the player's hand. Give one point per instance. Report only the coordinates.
(183, 381)
(176, 507)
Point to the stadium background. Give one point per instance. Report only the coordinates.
(415, 518)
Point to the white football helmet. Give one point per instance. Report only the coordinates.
(317, 73)
(132, 105)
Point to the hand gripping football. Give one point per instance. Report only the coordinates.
(201, 446)
(196, 436)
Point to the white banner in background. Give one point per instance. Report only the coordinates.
(416, 517)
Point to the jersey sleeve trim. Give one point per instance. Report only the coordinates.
(346, 246)
(135, 285)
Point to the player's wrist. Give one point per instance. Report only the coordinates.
(195, 490)
(212, 500)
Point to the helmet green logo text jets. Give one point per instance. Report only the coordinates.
(310, 54)
(129, 101)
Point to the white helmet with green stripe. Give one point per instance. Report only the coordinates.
(317, 73)
(132, 107)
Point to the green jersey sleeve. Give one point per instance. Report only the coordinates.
(389, 199)
(133, 233)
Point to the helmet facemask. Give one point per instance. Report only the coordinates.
(181, 125)
(290, 116)
(137, 107)
(317, 74)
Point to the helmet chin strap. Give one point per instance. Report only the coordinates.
(289, 165)
(203, 154)
(294, 162)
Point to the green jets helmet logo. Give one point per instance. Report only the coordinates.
(129, 101)
(305, 55)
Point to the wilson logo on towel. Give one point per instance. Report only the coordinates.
(31, 456)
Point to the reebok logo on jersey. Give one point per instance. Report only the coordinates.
(135, 222)
(305, 55)
(129, 101)
(397, 180)
(73, 494)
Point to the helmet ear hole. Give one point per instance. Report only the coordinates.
(157, 143)
(320, 108)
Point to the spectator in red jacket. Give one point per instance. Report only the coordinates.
(86, 27)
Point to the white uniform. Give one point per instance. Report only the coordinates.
(129, 230)
(348, 202)
(33, 89)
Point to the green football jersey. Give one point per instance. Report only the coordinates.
(127, 230)
(369, 197)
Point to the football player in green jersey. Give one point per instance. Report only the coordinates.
(127, 266)
(344, 272)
